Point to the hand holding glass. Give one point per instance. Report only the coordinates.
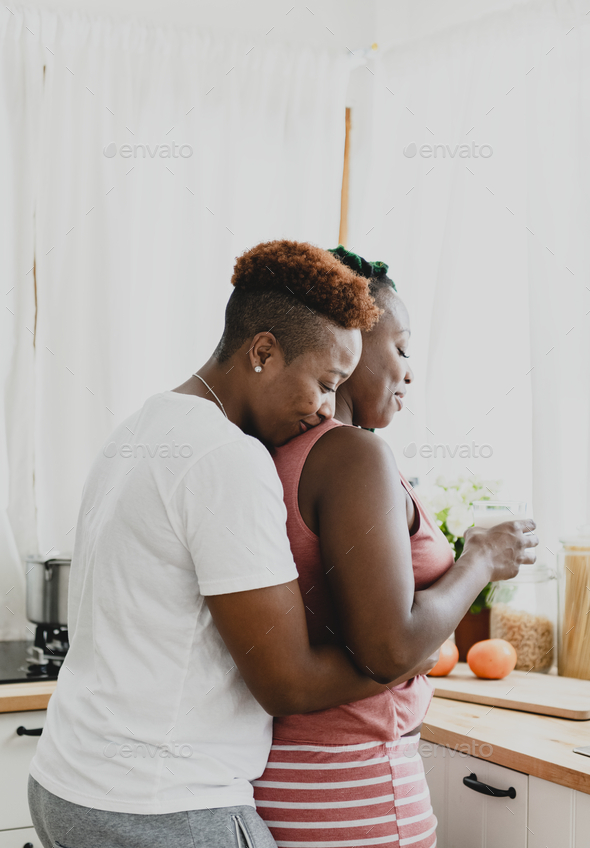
(488, 514)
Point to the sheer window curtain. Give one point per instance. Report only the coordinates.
(489, 248)
(236, 142)
(20, 107)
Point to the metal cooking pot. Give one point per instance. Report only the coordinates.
(47, 590)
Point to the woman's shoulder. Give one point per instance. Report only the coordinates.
(346, 436)
(298, 448)
(346, 448)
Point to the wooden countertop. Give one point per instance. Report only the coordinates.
(530, 743)
(17, 697)
(533, 744)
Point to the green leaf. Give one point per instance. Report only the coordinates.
(482, 600)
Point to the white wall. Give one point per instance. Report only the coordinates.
(351, 21)
(402, 21)
(352, 24)
(342, 24)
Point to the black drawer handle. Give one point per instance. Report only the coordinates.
(22, 731)
(473, 783)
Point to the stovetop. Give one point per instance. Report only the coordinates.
(16, 666)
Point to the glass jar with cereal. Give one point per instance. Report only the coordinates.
(524, 613)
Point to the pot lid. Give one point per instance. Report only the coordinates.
(53, 556)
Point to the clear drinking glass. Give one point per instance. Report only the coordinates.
(487, 514)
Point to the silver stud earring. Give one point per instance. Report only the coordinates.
(258, 369)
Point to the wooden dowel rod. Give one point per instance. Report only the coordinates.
(343, 233)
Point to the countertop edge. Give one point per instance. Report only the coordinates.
(442, 726)
(445, 725)
(24, 697)
(515, 760)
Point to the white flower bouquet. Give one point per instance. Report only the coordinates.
(450, 502)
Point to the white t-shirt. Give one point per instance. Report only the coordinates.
(150, 714)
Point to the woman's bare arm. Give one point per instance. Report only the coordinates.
(351, 488)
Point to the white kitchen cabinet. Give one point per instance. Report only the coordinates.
(581, 820)
(468, 819)
(23, 837)
(435, 768)
(558, 817)
(542, 815)
(484, 820)
(551, 815)
(16, 753)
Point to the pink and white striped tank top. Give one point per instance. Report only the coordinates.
(398, 710)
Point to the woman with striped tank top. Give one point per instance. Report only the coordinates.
(377, 575)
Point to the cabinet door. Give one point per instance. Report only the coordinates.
(16, 753)
(558, 817)
(22, 838)
(551, 814)
(581, 820)
(475, 820)
(435, 768)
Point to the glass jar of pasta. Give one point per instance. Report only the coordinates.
(524, 613)
(573, 566)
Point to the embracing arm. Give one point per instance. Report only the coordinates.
(365, 545)
(265, 631)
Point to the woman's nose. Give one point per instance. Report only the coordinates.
(409, 378)
(327, 409)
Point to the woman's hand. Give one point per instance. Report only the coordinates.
(507, 546)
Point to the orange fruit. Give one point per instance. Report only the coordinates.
(491, 659)
(447, 660)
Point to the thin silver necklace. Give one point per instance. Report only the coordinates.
(205, 383)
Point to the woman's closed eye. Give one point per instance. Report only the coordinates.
(403, 353)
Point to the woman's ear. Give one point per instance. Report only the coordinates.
(264, 348)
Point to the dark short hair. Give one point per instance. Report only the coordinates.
(374, 272)
(291, 288)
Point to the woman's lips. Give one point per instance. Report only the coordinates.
(304, 427)
(400, 400)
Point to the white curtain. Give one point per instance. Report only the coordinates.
(20, 107)
(139, 161)
(490, 251)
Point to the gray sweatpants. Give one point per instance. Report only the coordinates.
(61, 824)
